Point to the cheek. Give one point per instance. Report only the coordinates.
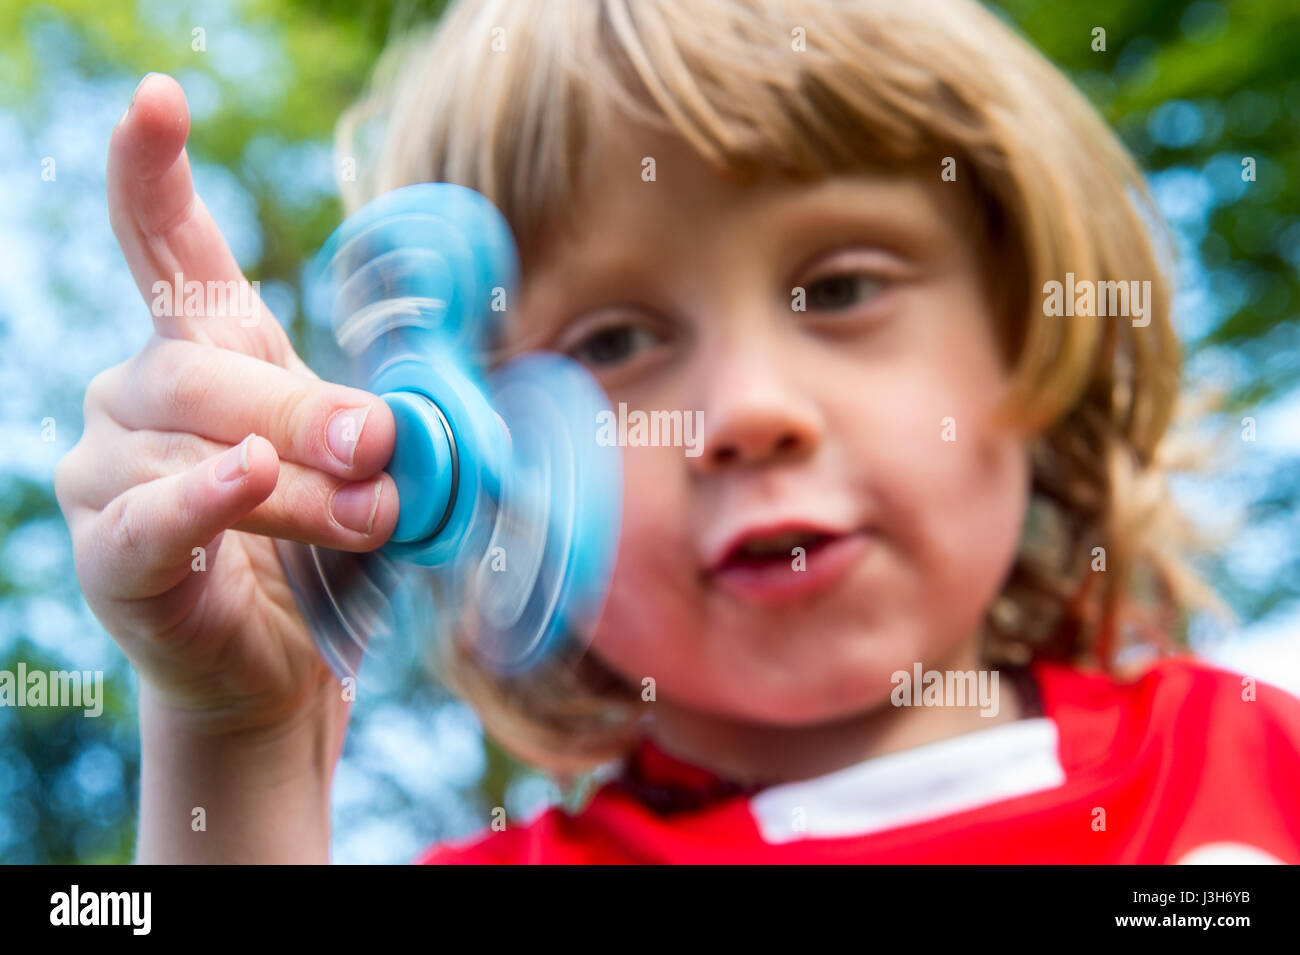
(652, 590)
(951, 490)
(973, 509)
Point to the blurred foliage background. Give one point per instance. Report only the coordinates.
(1193, 87)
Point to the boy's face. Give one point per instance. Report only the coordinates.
(864, 413)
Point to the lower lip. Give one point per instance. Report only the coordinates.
(777, 583)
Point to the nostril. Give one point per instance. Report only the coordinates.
(725, 455)
(787, 443)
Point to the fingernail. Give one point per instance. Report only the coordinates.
(355, 505)
(343, 432)
(233, 465)
(131, 105)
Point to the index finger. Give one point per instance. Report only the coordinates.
(171, 241)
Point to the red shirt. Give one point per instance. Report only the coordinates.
(1174, 766)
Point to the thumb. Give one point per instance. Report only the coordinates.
(146, 537)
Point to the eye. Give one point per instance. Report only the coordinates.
(613, 344)
(841, 291)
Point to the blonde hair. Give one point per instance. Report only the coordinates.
(511, 99)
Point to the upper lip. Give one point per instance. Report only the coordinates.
(722, 553)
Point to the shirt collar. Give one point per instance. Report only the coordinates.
(668, 783)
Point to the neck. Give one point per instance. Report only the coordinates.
(754, 753)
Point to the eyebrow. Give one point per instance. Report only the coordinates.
(603, 276)
(904, 221)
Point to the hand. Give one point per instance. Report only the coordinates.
(214, 438)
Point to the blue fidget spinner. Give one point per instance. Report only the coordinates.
(509, 506)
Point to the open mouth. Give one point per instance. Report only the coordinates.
(789, 566)
(760, 551)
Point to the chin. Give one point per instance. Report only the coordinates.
(824, 696)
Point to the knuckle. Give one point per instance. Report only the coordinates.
(187, 381)
(122, 533)
(179, 450)
(291, 416)
(63, 472)
(98, 390)
(301, 501)
(83, 556)
(186, 509)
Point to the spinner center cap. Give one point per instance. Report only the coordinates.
(423, 466)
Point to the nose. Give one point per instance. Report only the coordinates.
(755, 416)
